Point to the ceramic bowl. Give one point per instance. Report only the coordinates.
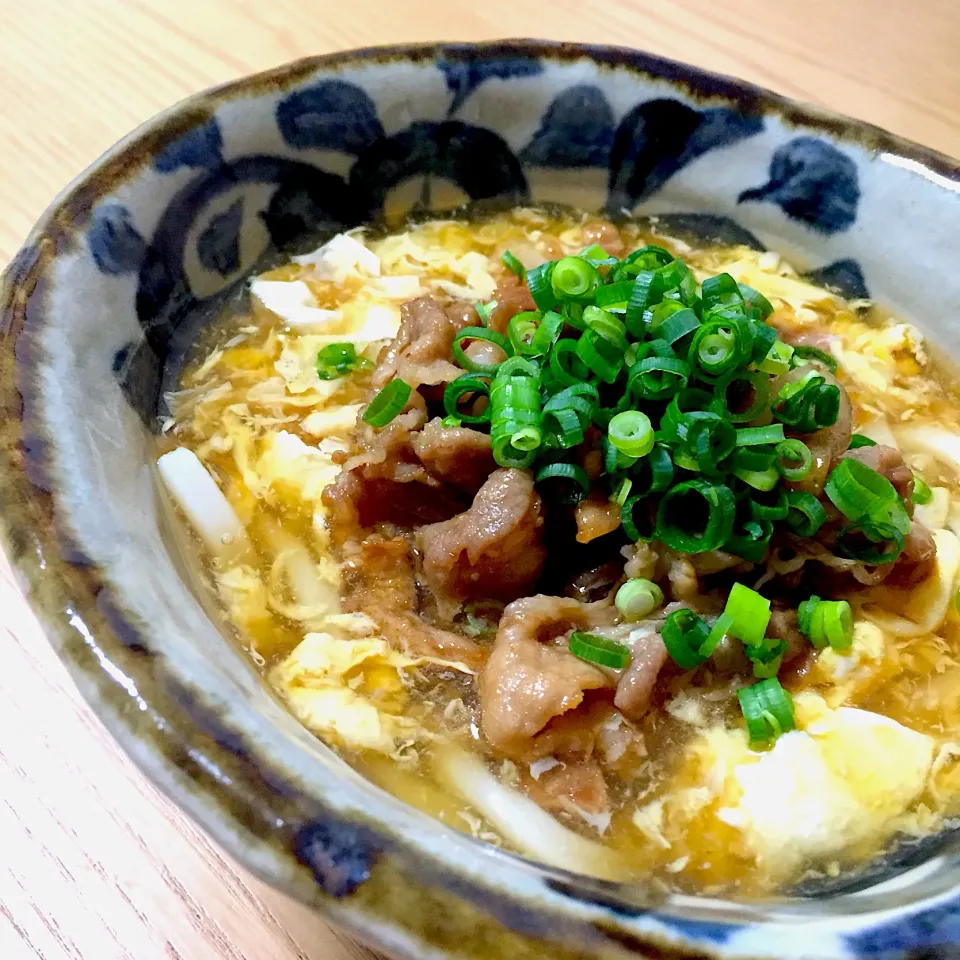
(114, 281)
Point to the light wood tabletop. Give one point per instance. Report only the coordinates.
(96, 865)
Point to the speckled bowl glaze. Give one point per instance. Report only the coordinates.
(112, 284)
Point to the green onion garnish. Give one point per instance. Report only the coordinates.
(338, 359)
(684, 634)
(631, 433)
(749, 613)
(478, 333)
(813, 353)
(805, 513)
(566, 482)
(387, 403)
(922, 494)
(512, 263)
(826, 622)
(575, 279)
(859, 440)
(794, 459)
(473, 387)
(870, 501)
(768, 710)
(638, 598)
(696, 516)
(599, 650)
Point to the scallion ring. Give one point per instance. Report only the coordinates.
(389, 402)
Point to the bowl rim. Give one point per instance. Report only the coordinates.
(28, 527)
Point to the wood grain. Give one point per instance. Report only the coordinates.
(96, 865)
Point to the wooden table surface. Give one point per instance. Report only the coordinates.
(94, 863)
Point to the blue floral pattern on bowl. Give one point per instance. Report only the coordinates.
(117, 278)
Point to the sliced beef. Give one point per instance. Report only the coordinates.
(512, 297)
(422, 351)
(606, 235)
(572, 786)
(493, 550)
(783, 626)
(379, 580)
(529, 682)
(918, 559)
(635, 686)
(889, 462)
(455, 455)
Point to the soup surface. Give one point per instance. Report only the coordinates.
(640, 566)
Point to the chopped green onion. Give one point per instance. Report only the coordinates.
(631, 433)
(478, 333)
(574, 279)
(541, 288)
(770, 509)
(684, 634)
(450, 423)
(818, 356)
(638, 598)
(826, 622)
(706, 439)
(871, 542)
(599, 356)
(753, 436)
(738, 410)
(521, 330)
(548, 331)
(777, 360)
(768, 710)
(766, 657)
(749, 612)
(754, 298)
(678, 325)
(607, 326)
(646, 528)
(622, 491)
(858, 440)
(599, 650)
(721, 627)
(794, 459)
(696, 516)
(470, 385)
(805, 515)
(764, 480)
(565, 365)
(688, 400)
(564, 492)
(721, 291)
(564, 426)
(718, 346)
(654, 472)
(922, 494)
(615, 295)
(338, 359)
(512, 263)
(515, 418)
(388, 403)
(862, 494)
(484, 310)
(658, 378)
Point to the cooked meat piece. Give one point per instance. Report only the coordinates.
(684, 584)
(635, 687)
(575, 784)
(642, 559)
(455, 455)
(889, 462)
(596, 516)
(715, 561)
(918, 559)
(463, 314)
(494, 549)
(595, 584)
(388, 451)
(604, 233)
(379, 581)
(827, 445)
(512, 297)
(808, 337)
(529, 681)
(783, 626)
(421, 352)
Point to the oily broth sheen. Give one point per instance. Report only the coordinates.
(240, 390)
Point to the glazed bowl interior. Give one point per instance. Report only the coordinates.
(134, 258)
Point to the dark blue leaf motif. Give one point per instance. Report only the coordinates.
(164, 297)
(199, 148)
(932, 933)
(576, 131)
(218, 246)
(340, 855)
(464, 75)
(113, 240)
(660, 137)
(844, 276)
(812, 181)
(709, 228)
(330, 115)
(475, 159)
